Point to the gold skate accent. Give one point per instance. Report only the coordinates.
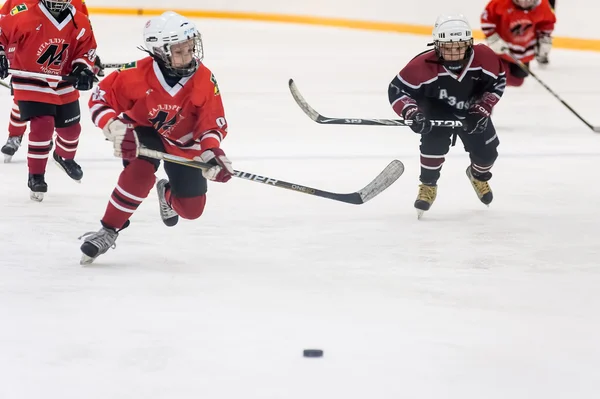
(425, 198)
(482, 188)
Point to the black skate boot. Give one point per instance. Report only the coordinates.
(425, 198)
(70, 167)
(38, 187)
(96, 244)
(167, 214)
(10, 148)
(481, 186)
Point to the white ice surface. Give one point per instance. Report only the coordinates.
(469, 302)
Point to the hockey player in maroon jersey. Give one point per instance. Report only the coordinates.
(454, 80)
(16, 127)
(171, 103)
(53, 38)
(522, 28)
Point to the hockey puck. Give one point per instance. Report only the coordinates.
(313, 353)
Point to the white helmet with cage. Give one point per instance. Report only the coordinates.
(453, 40)
(56, 6)
(175, 42)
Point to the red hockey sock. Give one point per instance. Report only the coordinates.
(40, 143)
(188, 208)
(66, 141)
(135, 182)
(15, 126)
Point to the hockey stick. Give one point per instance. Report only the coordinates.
(115, 65)
(385, 179)
(315, 116)
(3, 83)
(28, 74)
(526, 69)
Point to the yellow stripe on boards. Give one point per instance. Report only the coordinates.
(559, 42)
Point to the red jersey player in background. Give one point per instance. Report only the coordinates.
(521, 27)
(16, 127)
(168, 102)
(50, 37)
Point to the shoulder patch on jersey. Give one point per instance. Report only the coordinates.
(130, 65)
(18, 9)
(214, 80)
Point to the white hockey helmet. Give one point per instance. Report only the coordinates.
(453, 40)
(56, 6)
(171, 29)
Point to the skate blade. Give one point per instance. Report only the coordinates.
(63, 169)
(420, 213)
(7, 158)
(86, 260)
(35, 196)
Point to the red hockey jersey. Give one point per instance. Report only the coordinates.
(517, 27)
(44, 45)
(189, 116)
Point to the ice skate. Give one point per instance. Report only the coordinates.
(10, 148)
(38, 187)
(425, 198)
(69, 166)
(482, 188)
(167, 214)
(97, 243)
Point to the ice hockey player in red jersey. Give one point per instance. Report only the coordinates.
(455, 80)
(521, 27)
(16, 127)
(50, 37)
(169, 102)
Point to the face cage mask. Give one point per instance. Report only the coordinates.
(165, 55)
(56, 6)
(454, 65)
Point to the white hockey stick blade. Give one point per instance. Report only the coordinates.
(308, 110)
(385, 179)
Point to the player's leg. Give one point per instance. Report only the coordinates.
(68, 130)
(184, 193)
(41, 125)
(483, 152)
(134, 184)
(515, 75)
(16, 130)
(434, 147)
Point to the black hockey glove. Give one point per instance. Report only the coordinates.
(477, 119)
(98, 67)
(420, 123)
(84, 75)
(3, 64)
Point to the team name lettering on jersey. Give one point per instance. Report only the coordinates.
(165, 117)
(51, 55)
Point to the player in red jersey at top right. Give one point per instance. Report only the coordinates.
(169, 102)
(522, 28)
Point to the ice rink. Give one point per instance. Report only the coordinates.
(470, 302)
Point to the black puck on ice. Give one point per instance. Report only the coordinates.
(312, 353)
